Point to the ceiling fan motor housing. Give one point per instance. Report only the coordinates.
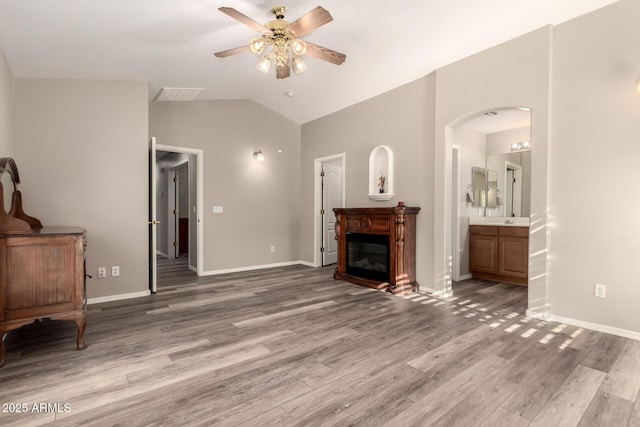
(279, 11)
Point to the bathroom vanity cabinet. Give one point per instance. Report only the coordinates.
(500, 253)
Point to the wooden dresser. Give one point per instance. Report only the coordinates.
(42, 269)
(390, 233)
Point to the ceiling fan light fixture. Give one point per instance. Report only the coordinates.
(298, 65)
(257, 45)
(264, 64)
(279, 41)
(298, 47)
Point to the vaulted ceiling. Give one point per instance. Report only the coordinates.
(170, 43)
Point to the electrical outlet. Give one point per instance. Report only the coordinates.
(273, 249)
(102, 272)
(600, 290)
(115, 271)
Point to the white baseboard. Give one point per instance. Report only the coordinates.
(586, 325)
(538, 315)
(597, 327)
(110, 298)
(307, 263)
(466, 277)
(254, 267)
(120, 297)
(162, 254)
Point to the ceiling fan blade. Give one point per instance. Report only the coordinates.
(234, 51)
(325, 54)
(310, 21)
(243, 18)
(283, 71)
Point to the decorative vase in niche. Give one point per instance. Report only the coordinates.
(381, 183)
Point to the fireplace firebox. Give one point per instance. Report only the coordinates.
(377, 247)
(368, 256)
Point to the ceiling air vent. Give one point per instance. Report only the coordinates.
(178, 94)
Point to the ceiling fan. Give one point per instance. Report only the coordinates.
(282, 42)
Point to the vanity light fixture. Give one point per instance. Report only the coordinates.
(521, 146)
(258, 155)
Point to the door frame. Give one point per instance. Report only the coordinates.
(455, 212)
(317, 202)
(199, 197)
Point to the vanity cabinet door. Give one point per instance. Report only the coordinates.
(484, 250)
(514, 257)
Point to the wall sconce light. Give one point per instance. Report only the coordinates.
(258, 155)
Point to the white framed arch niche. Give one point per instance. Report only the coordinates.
(381, 173)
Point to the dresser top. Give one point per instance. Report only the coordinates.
(49, 231)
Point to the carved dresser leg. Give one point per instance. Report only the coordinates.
(81, 320)
(4, 334)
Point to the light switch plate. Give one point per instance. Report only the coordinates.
(218, 209)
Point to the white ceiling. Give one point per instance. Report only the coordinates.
(170, 43)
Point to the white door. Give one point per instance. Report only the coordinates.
(331, 198)
(153, 275)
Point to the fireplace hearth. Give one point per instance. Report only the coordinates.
(376, 247)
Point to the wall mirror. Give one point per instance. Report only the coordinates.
(7, 185)
(485, 188)
(514, 175)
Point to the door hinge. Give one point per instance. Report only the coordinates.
(321, 249)
(175, 244)
(321, 211)
(322, 173)
(175, 179)
(175, 212)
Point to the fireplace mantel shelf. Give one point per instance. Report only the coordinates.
(397, 227)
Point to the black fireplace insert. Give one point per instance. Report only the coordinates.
(368, 256)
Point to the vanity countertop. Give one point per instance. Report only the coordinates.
(499, 220)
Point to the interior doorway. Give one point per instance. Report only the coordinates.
(483, 140)
(329, 194)
(177, 250)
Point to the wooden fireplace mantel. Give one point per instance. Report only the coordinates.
(398, 224)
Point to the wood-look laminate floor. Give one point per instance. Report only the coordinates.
(292, 347)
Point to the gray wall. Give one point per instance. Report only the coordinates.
(82, 149)
(260, 199)
(6, 109)
(401, 119)
(594, 167)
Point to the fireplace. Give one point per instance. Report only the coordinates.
(377, 247)
(368, 256)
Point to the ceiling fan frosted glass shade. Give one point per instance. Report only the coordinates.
(257, 45)
(264, 65)
(298, 47)
(298, 65)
